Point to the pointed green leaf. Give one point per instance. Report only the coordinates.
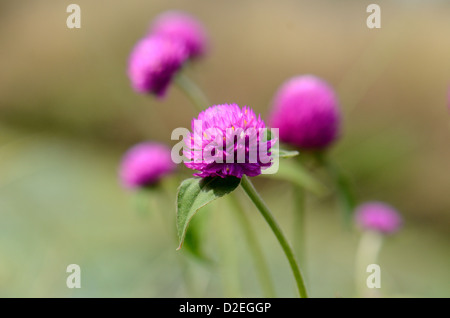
(194, 239)
(195, 193)
(282, 153)
(294, 172)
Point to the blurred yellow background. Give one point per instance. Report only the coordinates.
(67, 114)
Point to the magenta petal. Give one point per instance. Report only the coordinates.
(236, 133)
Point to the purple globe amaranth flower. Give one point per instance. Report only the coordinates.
(184, 28)
(153, 63)
(228, 141)
(379, 217)
(145, 164)
(306, 111)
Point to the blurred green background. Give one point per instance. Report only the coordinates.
(67, 114)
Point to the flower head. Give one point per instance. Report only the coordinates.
(145, 164)
(378, 216)
(153, 63)
(184, 28)
(306, 111)
(228, 141)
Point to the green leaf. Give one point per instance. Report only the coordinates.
(282, 153)
(195, 193)
(294, 172)
(194, 238)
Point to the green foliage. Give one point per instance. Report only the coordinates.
(282, 153)
(195, 193)
(292, 171)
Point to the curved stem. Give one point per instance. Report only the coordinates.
(200, 102)
(192, 91)
(264, 210)
(260, 262)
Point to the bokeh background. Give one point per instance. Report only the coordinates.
(67, 114)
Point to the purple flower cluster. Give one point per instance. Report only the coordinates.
(228, 141)
(306, 111)
(174, 39)
(379, 217)
(145, 164)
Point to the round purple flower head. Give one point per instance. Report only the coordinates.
(228, 141)
(182, 27)
(145, 164)
(153, 63)
(306, 111)
(378, 216)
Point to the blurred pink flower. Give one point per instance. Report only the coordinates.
(182, 27)
(306, 111)
(145, 164)
(153, 63)
(378, 216)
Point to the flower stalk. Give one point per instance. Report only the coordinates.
(192, 91)
(250, 190)
(261, 265)
(367, 253)
(200, 101)
(299, 224)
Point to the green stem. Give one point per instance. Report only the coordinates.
(305, 179)
(343, 189)
(192, 91)
(299, 225)
(264, 210)
(366, 254)
(258, 257)
(141, 202)
(200, 102)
